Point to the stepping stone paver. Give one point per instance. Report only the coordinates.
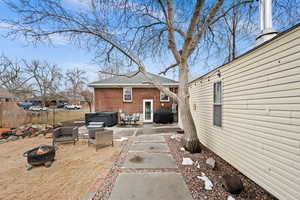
(149, 147)
(150, 138)
(150, 186)
(149, 152)
(149, 160)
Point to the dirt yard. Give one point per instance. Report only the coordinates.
(72, 174)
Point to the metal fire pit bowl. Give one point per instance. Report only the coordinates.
(35, 159)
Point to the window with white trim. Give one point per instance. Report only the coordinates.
(217, 106)
(164, 97)
(127, 94)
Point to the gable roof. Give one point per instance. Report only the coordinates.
(138, 80)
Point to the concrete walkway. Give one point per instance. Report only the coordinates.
(150, 173)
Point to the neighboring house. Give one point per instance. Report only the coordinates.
(6, 96)
(54, 100)
(69, 97)
(248, 112)
(132, 95)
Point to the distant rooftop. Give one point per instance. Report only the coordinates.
(4, 93)
(138, 80)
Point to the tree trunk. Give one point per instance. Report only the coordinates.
(43, 101)
(190, 140)
(90, 106)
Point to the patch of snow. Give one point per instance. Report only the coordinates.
(182, 149)
(176, 137)
(187, 161)
(230, 198)
(197, 164)
(121, 139)
(207, 182)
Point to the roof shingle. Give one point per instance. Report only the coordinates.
(139, 79)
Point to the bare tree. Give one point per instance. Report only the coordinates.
(88, 97)
(286, 13)
(13, 77)
(240, 25)
(135, 30)
(237, 24)
(46, 78)
(76, 79)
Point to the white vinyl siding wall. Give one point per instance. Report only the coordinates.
(260, 133)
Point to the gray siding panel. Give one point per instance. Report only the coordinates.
(260, 133)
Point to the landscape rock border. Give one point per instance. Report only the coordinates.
(251, 191)
(28, 130)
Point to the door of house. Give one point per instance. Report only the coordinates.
(148, 110)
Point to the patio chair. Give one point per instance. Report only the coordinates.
(65, 134)
(136, 117)
(100, 137)
(122, 118)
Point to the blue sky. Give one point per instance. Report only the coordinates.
(68, 56)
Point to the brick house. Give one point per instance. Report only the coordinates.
(132, 95)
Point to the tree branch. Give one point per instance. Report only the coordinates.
(204, 27)
(159, 86)
(229, 9)
(192, 26)
(168, 68)
(171, 38)
(117, 74)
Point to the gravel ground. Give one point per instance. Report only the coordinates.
(251, 190)
(104, 192)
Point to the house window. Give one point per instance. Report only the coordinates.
(127, 94)
(217, 112)
(164, 97)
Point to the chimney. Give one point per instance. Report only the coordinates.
(265, 15)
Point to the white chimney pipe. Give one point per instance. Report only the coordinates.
(266, 29)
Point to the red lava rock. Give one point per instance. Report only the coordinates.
(33, 131)
(3, 130)
(18, 132)
(49, 135)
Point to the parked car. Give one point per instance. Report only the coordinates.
(70, 107)
(73, 106)
(37, 108)
(61, 105)
(78, 106)
(25, 105)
